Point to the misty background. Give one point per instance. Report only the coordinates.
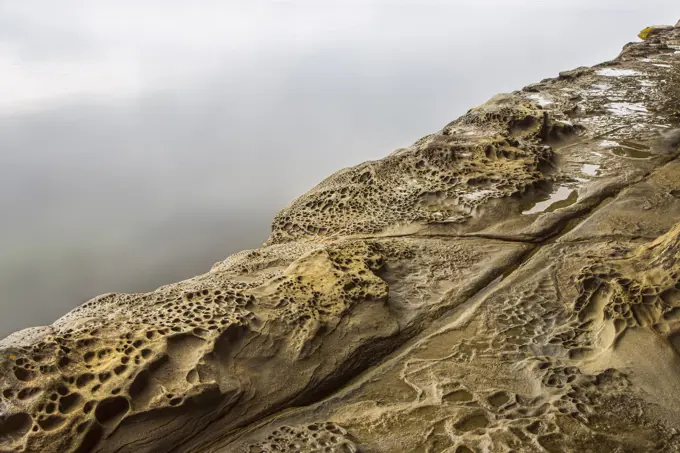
(141, 142)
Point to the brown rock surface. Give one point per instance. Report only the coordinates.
(509, 283)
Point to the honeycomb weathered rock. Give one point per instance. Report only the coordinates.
(510, 283)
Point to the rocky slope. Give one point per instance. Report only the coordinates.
(510, 283)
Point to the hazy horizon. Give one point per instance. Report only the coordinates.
(140, 142)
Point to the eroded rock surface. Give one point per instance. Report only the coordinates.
(509, 283)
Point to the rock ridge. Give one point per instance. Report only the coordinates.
(508, 283)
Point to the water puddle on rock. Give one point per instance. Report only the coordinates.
(614, 72)
(627, 108)
(634, 145)
(540, 99)
(590, 169)
(632, 153)
(560, 198)
(626, 148)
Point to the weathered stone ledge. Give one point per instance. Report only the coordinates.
(509, 283)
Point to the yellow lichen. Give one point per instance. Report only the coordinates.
(644, 34)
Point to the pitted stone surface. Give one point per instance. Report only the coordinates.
(509, 283)
(492, 152)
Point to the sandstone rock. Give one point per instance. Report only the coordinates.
(509, 283)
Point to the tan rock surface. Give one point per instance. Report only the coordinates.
(510, 283)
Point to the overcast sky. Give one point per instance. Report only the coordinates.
(60, 51)
(141, 141)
